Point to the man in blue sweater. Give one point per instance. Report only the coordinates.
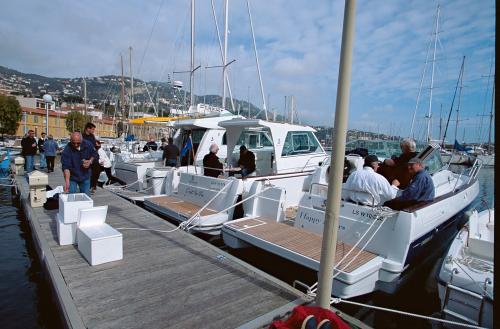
(420, 190)
(76, 160)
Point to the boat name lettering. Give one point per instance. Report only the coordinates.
(194, 192)
(363, 214)
(309, 218)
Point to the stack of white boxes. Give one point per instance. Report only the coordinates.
(97, 241)
(67, 218)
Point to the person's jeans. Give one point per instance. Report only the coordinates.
(171, 162)
(43, 162)
(29, 162)
(79, 187)
(50, 163)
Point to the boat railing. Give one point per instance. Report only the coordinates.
(325, 156)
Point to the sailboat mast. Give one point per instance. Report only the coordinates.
(122, 95)
(460, 96)
(332, 212)
(432, 76)
(191, 76)
(224, 57)
(491, 114)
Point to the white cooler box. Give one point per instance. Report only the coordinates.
(97, 241)
(65, 232)
(70, 204)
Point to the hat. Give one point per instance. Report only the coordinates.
(369, 159)
(415, 160)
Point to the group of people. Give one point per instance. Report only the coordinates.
(83, 160)
(46, 146)
(378, 183)
(212, 166)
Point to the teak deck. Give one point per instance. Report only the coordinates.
(185, 208)
(165, 280)
(300, 241)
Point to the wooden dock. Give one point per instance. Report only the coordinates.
(165, 280)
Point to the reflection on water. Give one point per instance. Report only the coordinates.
(26, 299)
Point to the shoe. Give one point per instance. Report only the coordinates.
(92, 191)
(309, 323)
(325, 324)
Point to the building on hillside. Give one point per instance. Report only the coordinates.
(34, 117)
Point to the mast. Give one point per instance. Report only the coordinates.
(131, 84)
(264, 106)
(224, 57)
(122, 95)
(85, 95)
(460, 96)
(432, 76)
(191, 76)
(332, 212)
(491, 115)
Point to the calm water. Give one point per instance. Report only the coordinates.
(25, 295)
(27, 301)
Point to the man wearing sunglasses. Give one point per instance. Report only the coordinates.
(76, 160)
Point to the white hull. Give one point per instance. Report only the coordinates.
(466, 278)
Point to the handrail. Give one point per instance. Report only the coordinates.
(316, 156)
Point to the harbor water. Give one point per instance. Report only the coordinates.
(27, 301)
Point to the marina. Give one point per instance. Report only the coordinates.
(138, 292)
(149, 205)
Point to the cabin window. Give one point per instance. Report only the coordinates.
(432, 160)
(224, 139)
(300, 142)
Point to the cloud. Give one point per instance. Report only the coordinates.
(298, 45)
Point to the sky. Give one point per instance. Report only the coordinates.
(298, 44)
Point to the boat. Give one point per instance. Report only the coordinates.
(465, 279)
(378, 248)
(286, 156)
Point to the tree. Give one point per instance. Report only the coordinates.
(10, 115)
(76, 121)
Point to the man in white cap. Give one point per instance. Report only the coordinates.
(212, 167)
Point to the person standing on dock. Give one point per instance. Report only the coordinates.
(50, 153)
(41, 149)
(88, 134)
(105, 164)
(28, 145)
(171, 153)
(76, 160)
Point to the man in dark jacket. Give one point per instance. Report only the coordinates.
(151, 145)
(28, 145)
(88, 133)
(211, 164)
(420, 190)
(76, 160)
(397, 167)
(170, 153)
(246, 161)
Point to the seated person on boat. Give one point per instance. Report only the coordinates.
(396, 168)
(367, 187)
(151, 145)
(420, 190)
(246, 161)
(212, 167)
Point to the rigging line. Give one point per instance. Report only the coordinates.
(149, 38)
(453, 101)
(484, 103)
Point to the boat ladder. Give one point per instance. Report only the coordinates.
(463, 304)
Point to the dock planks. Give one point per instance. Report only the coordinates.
(165, 280)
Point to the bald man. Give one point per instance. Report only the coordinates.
(76, 160)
